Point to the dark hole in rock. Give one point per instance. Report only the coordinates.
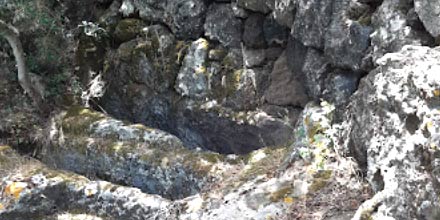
(412, 123)
(201, 129)
(378, 183)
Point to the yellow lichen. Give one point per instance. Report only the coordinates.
(201, 70)
(15, 188)
(280, 194)
(288, 200)
(320, 180)
(4, 147)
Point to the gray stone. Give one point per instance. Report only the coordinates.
(89, 143)
(193, 78)
(188, 17)
(392, 31)
(144, 70)
(149, 11)
(315, 70)
(253, 34)
(429, 14)
(284, 12)
(311, 22)
(222, 25)
(254, 57)
(274, 33)
(392, 131)
(39, 192)
(255, 5)
(184, 17)
(340, 86)
(286, 86)
(238, 11)
(346, 41)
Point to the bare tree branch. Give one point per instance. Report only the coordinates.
(28, 81)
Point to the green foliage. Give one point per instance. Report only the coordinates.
(42, 34)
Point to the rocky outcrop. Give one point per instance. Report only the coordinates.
(265, 183)
(393, 132)
(89, 143)
(237, 104)
(38, 192)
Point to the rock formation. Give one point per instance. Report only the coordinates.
(224, 109)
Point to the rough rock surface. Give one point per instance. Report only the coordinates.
(222, 25)
(38, 192)
(154, 161)
(192, 79)
(255, 5)
(262, 62)
(393, 132)
(311, 22)
(293, 92)
(429, 13)
(392, 30)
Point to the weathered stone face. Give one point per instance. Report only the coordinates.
(311, 22)
(192, 79)
(222, 25)
(392, 31)
(392, 132)
(286, 86)
(346, 41)
(429, 13)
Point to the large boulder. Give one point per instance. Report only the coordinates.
(143, 69)
(393, 132)
(39, 192)
(89, 143)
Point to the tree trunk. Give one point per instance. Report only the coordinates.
(25, 78)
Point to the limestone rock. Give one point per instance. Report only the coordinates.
(87, 142)
(393, 125)
(40, 192)
(143, 69)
